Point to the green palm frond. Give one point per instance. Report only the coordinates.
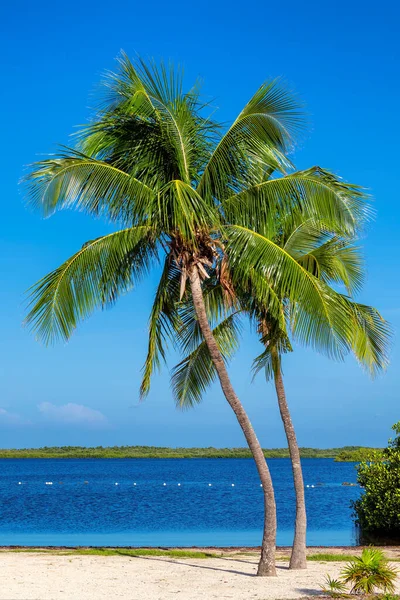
(189, 335)
(74, 180)
(327, 256)
(336, 261)
(268, 122)
(180, 210)
(371, 338)
(152, 96)
(191, 377)
(265, 361)
(301, 236)
(157, 83)
(164, 322)
(315, 193)
(367, 334)
(319, 313)
(257, 294)
(91, 278)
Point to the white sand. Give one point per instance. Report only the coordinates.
(26, 576)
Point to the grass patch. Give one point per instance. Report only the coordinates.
(140, 552)
(36, 550)
(116, 552)
(320, 557)
(326, 557)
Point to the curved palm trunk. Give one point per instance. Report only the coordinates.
(298, 559)
(266, 566)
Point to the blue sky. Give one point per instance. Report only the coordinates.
(342, 59)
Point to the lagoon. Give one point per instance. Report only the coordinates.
(204, 502)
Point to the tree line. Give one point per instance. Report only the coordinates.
(339, 454)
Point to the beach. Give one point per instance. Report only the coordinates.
(52, 576)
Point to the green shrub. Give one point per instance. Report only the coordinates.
(377, 511)
(369, 572)
(359, 455)
(334, 587)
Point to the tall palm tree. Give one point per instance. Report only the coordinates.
(183, 189)
(330, 258)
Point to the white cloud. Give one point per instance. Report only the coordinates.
(74, 414)
(10, 418)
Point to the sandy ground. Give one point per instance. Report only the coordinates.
(31, 576)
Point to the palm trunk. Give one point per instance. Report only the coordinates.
(298, 559)
(266, 566)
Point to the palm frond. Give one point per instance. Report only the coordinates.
(195, 373)
(263, 362)
(257, 296)
(152, 96)
(314, 193)
(163, 322)
(371, 338)
(336, 261)
(326, 255)
(266, 361)
(189, 335)
(91, 278)
(182, 211)
(74, 180)
(276, 342)
(318, 313)
(268, 123)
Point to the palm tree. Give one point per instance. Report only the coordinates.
(330, 258)
(184, 190)
(334, 260)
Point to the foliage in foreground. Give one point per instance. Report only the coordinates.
(377, 511)
(334, 587)
(370, 572)
(365, 574)
(161, 452)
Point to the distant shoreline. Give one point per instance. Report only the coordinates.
(343, 454)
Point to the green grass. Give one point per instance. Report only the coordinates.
(142, 552)
(326, 557)
(323, 557)
(320, 557)
(118, 552)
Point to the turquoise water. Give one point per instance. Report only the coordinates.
(167, 502)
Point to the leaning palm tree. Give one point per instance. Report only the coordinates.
(182, 189)
(333, 260)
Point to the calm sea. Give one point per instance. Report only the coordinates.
(175, 502)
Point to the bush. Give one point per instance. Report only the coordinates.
(377, 511)
(366, 575)
(369, 572)
(359, 455)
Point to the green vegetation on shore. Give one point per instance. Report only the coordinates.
(340, 454)
(377, 511)
(359, 455)
(186, 552)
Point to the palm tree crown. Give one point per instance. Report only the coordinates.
(182, 187)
